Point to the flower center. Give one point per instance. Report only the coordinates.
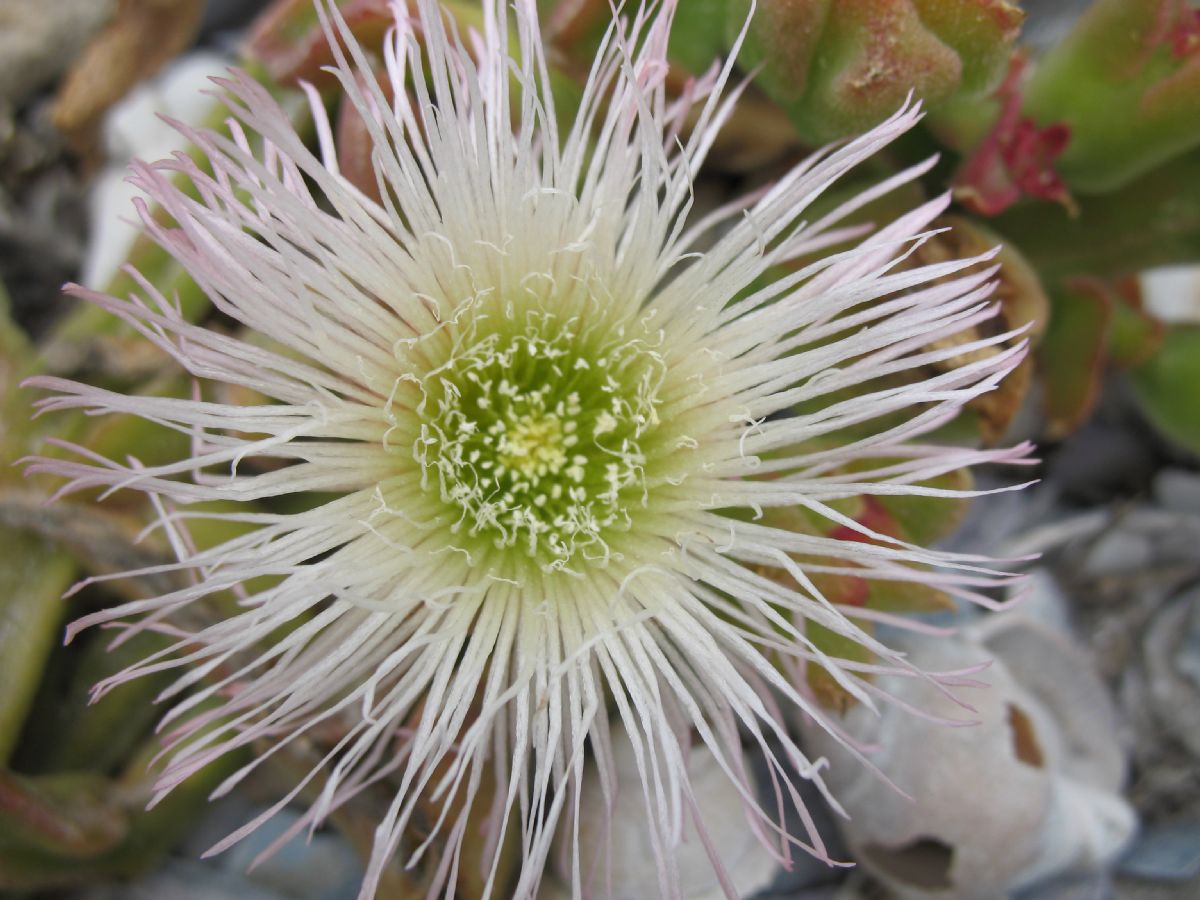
(535, 446)
(537, 437)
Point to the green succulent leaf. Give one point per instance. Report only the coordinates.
(1073, 351)
(1166, 386)
(69, 828)
(32, 582)
(1154, 221)
(1126, 82)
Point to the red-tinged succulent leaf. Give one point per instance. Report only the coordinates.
(574, 26)
(355, 146)
(1185, 34)
(1072, 353)
(69, 815)
(841, 589)
(1136, 335)
(878, 594)
(783, 39)
(839, 67)
(1166, 386)
(1126, 81)
(825, 688)
(66, 829)
(926, 520)
(982, 32)
(288, 41)
(907, 597)
(1173, 98)
(920, 520)
(873, 53)
(874, 516)
(1023, 305)
(907, 518)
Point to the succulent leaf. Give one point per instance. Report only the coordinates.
(1126, 83)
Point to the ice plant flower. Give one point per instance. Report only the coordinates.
(556, 411)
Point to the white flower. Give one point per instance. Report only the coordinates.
(554, 408)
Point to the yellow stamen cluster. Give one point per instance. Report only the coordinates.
(536, 438)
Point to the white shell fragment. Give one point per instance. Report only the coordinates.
(1029, 791)
(133, 128)
(1172, 654)
(1172, 293)
(633, 871)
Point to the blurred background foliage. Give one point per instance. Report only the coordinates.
(1068, 132)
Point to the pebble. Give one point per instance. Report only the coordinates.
(1049, 21)
(807, 873)
(1178, 490)
(1090, 886)
(1101, 461)
(1165, 853)
(1043, 600)
(182, 879)
(38, 40)
(1172, 654)
(324, 867)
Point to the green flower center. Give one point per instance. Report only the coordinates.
(537, 437)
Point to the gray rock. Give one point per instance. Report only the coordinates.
(323, 868)
(182, 880)
(1102, 461)
(1165, 853)
(1091, 886)
(39, 39)
(1172, 654)
(1049, 21)
(1178, 490)
(228, 15)
(1044, 600)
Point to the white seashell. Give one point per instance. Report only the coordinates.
(1028, 791)
(1172, 293)
(634, 873)
(1171, 669)
(132, 129)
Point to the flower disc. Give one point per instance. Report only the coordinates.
(537, 433)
